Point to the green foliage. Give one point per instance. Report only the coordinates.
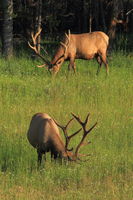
(25, 90)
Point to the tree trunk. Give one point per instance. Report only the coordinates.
(103, 17)
(7, 29)
(96, 13)
(90, 16)
(85, 16)
(39, 23)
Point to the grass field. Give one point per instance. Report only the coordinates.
(25, 90)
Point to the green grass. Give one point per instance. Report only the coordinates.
(25, 90)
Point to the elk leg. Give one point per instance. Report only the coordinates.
(39, 157)
(72, 65)
(99, 60)
(54, 155)
(106, 64)
(69, 67)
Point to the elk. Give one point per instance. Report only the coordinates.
(76, 46)
(43, 134)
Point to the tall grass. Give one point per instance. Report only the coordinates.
(25, 90)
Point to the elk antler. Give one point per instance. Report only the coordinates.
(64, 128)
(65, 45)
(85, 132)
(130, 11)
(34, 48)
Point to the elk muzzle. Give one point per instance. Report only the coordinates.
(53, 69)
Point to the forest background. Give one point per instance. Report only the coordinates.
(26, 90)
(18, 18)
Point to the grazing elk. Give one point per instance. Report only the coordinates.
(43, 134)
(76, 46)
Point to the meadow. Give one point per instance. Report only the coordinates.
(26, 90)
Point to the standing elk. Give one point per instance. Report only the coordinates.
(76, 46)
(43, 134)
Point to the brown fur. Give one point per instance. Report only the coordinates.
(82, 46)
(43, 134)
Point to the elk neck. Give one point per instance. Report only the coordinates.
(55, 139)
(57, 55)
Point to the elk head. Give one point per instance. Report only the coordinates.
(54, 65)
(61, 54)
